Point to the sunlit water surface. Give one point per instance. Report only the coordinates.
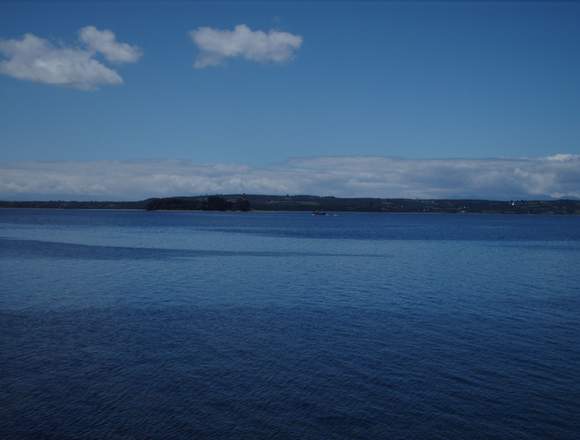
(175, 325)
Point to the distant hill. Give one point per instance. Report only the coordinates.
(243, 202)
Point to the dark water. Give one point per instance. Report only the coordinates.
(134, 325)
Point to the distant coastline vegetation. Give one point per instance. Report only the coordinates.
(243, 202)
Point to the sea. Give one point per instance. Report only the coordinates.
(209, 325)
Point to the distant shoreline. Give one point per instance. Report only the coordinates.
(330, 214)
(317, 204)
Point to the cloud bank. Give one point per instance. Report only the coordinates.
(216, 45)
(540, 178)
(36, 59)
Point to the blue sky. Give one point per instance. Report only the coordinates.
(411, 80)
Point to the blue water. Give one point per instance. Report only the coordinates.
(136, 325)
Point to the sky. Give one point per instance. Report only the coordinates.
(117, 100)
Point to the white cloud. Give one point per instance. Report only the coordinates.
(217, 45)
(339, 176)
(105, 42)
(36, 59)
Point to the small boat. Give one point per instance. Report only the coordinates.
(318, 212)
